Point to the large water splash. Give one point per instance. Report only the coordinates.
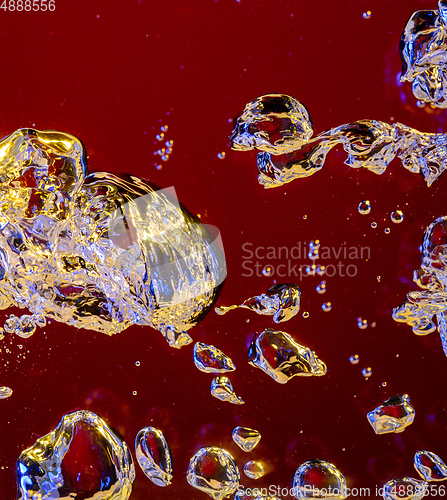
(99, 251)
(283, 135)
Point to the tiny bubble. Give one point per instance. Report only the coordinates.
(304, 216)
(387, 230)
(354, 359)
(221, 155)
(367, 372)
(164, 128)
(267, 271)
(364, 207)
(379, 278)
(367, 14)
(373, 225)
(397, 216)
(327, 306)
(420, 104)
(383, 384)
(134, 393)
(305, 314)
(137, 363)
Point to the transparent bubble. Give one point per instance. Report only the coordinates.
(137, 363)
(164, 128)
(367, 14)
(159, 167)
(354, 359)
(362, 323)
(384, 384)
(5, 392)
(420, 104)
(321, 270)
(397, 216)
(387, 230)
(321, 288)
(160, 137)
(161, 151)
(379, 278)
(305, 314)
(134, 393)
(221, 155)
(154, 455)
(304, 216)
(267, 271)
(165, 157)
(254, 469)
(246, 438)
(373, 225)
(327, 306)
(169, 143)
(367, 372)
(364, 207)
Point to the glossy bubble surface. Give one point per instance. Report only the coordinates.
(246, 438)
(430, 466)
(209, 359)
(222, 388)
(319, 479)
(394, 415)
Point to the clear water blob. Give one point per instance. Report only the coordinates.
(374, 225)
(367, 14)
(214, 471)
(319, 479)
(397, 216)
(5, 392)
(430, 466)
(362, 323)
(393, 415)
(246, 438)
(354, 359)
(56, 465)
(305, 314)
(169, 144)
(314, 249)
(321, 288)
(311, 270)
(221, 155)
(137, 363)
(278, 355)
(164, 128)
(160, 136)
(327, 306)
(282, 301)
(254, 469)
(280, 127)
(321, 270)
(387, 230)
(367, 372)
(210, 359)
(267, 271)
(99, 251)
(404, 488)
(154, 455)
(222, 388)
(364, 207)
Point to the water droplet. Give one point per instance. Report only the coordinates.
(210, 359)
(405, 488)
(430, 466)
(221, 155)
(254, 470)
(327, 306)
(321, 270)
(164, 128)
(282, 301)
(373, 225)
(304, 216)
(222, 388)
(393, 415)
(295, 359)
(387, 230)
(305, 314)
(165, 157)
(321, 288)
(379, 278)
(83, 438)
(246, 438)
(267, 271)
(169, 144)
(397, 216)
(159, 167)
(373, 324)
(316, 478)
(154, 455)
(160, 137)
(311, 270)
(5, 392)
(354, 359)
(134, 393)
(367, 372)
(364, 207)
(214, 471)
(384, 384)
(367, 14)
(161, 151)
(362, 323)
(137, 363)
(420, 104)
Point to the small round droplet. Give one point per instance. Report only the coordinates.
(164, 128)
(305, 314)
(327, 306)
(367, 372)
(354, 359)
(137, 363)
(364, 207)
(159, 167)
(383, 384)
(161, 151)
(362, 323)
(134, 393)
(321, 288)
(165, 157)
(387, 230)
(373, 324)
(304, 216)
(160, 137)
(169, 143)
(397, 216)
(321, 270)
(367, 14)
(374, 225)
(254, 470)
(267, 271)
(221, 155)
(420, 104)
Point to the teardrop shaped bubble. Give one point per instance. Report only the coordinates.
(222, 388)
(397, 216)
(394, 415)
(282, 301)
(405, 488)
(430, 466)
(254, 469)
(319, 479)
(364, 207)
(246, 438)
(154, 455)
(210, 359)
(214, 471)
(99, 251)
(81, 458)
(278, 355)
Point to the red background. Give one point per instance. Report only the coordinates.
(112, 73)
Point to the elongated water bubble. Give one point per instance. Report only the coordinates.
(101, 252)
(394, 415)
(404, 488)
(209, 359)
(254, 469)
(5, 392)
(246, 438)
(319, 479)
(82, 456)
(154, 455)
(222, 388)
(282, 301)
(214, 471)
(280, 127)
(430, 466)
(278, 355)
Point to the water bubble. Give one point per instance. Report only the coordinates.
(165, 157)
(221, 155)
(304, 216)
(374, 225)
(321, 288)
(364, 207)
(405, 488)
(362, 323)
(210, 359)
(397, 216)
(373, 324)
(161, 151)
(321, 270)
(169, 151)
(305, 314)
(384, 384)
(311, 270)
(159, 167)
(367, 14)
(160, 137)
(5, 392)
(134, 393)
(246, 438)
(318, 477)
(154, 455)
(386, 230)
(169, 143)
(164, 128)
(430, 466)
(327, 306)
(267, 271)
(222, 388)
(354, 359)
(393, 415)
(367, 372)
(420, 104)
(379, 278)
(137, 363)
(254, 469)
